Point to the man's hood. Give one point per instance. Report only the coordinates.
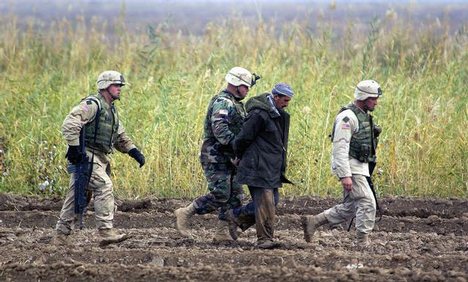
(261, 102)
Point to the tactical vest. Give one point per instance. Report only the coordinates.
(363, 143)
(235, 125)
(102, 138)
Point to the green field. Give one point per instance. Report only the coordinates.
(45, 69)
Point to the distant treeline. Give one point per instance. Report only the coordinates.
(192, 17)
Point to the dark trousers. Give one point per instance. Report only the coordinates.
(261, 211)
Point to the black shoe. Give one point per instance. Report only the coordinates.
(267, 244)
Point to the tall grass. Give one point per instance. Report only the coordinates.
(423, 71)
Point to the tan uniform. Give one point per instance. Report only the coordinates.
(100, 183)
(360, 200)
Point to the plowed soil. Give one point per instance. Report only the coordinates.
(416, 239)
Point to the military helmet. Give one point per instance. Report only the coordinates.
(367, 89)
(239, 76)
(107, 78)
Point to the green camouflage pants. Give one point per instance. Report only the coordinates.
(224, 192)
(100, 185)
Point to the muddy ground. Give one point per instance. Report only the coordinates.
(416, 239)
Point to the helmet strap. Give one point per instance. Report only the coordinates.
(112, 95)
(109, 95)
(238, 94)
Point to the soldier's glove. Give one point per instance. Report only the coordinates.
(137, 155)
(377, 131)
(74, 155)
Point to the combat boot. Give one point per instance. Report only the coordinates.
(362, 240)
(60, 237)
(110, 236)
(233, 223)
(222, 232)
(311, 223)
(183, 215)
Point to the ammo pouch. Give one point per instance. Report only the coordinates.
(364, 153)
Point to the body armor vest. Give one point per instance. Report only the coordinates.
(363, 143)
(107, 122)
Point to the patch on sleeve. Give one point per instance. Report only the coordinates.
(345, 126)
(346, 119)
(223, 112)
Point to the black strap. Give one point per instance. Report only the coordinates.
(91, 162)
(96, 119)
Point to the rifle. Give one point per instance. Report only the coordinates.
(376, 130)
(82, 171)
(82, 175)
(371, 185)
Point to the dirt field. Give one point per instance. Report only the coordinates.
(417, 239)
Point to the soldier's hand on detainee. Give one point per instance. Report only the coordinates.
(347, 183)
(235, 161)
(74, 155)
(137, 155)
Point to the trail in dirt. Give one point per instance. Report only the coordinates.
(417, 239)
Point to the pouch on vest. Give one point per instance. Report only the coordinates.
(364, 152)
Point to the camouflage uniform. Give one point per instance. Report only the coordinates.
(223, 122)
(100, 183)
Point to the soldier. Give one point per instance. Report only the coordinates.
(223, 121)
(101, 135)
(354, 140)
(261, 147)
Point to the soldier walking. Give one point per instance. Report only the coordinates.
(354, 140)
(103, 132)
(223, 121)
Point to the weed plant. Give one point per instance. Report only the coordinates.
(423, 149)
